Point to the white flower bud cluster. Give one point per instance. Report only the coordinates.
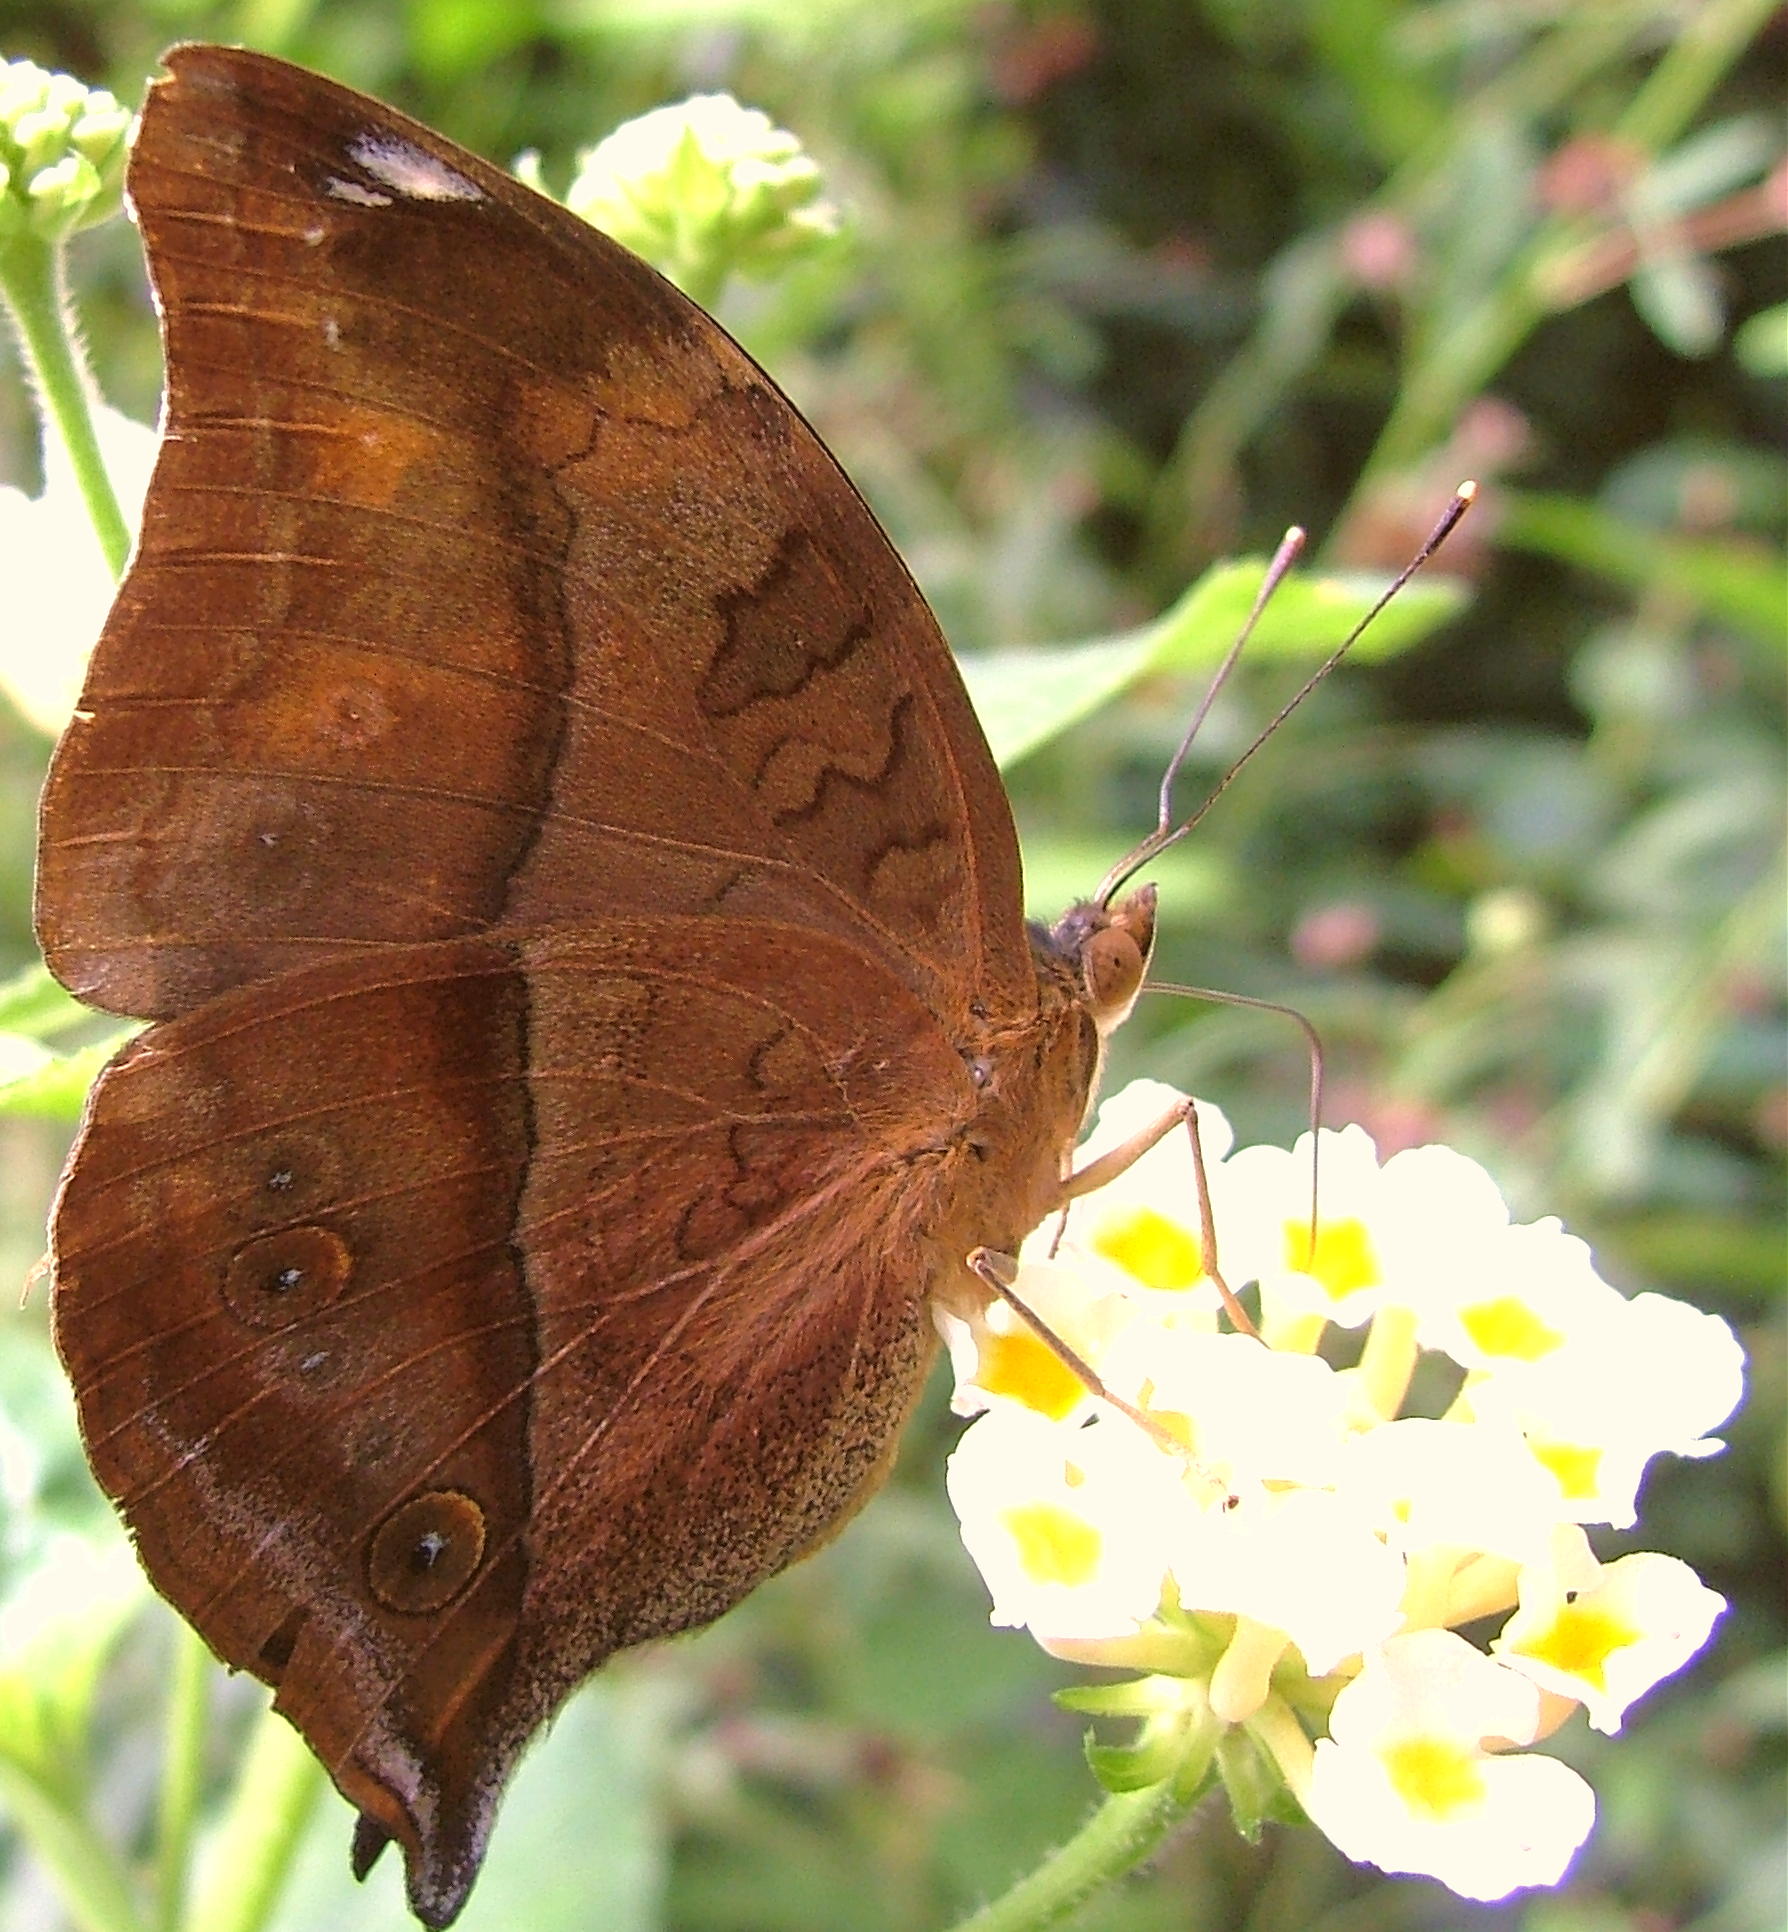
(704, 189)
(61, 152)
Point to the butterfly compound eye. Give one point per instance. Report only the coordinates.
(1112, 968)
(1115, 956)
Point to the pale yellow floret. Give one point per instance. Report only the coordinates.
(1054, 1545)
(1342, 1257)
(1435, 1777)
(1158, 1252)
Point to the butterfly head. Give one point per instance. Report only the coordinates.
(1108, 948)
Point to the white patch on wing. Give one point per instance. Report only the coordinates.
(410, 171)
(354, 192)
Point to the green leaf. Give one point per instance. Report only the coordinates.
(278, 1783)
(34, 1005)
(57, 1628)
(1310, 613)
(1710, 164)
(35, 1082)
(53, 1086)
(1134, 1697)
(1025, 698)
(1678, 295)
(1740, 585)
(1135, 1767)
(91, 1882)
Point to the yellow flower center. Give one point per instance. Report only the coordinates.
(1580, 1640)
(1175, 1423)
(1158, 1252)
(1342, 1257)
(1026, 1369)
(1434, 1776)
(1576, 1466)
(1054, 1545)
(1509, 1329)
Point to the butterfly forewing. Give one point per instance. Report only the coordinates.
(483, 583)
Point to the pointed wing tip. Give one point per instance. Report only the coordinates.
(370, 1839)
(436, 1883)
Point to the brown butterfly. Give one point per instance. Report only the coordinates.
(594, 1017)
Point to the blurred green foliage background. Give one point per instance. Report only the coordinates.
(1134, 284)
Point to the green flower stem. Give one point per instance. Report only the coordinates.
(31, 283)
(178, 1802)
(1455, 365)
(1690, 1004)
(1694, 62)
(277, 1788)
(1308, 288)
(91, 1884)
(1126, 1829)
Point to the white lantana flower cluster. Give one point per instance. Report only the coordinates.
(1284, 1549)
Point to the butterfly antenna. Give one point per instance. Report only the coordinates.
(1166, 833)
(1291, 547)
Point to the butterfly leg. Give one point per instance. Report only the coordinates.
(1000, 1272)
(1118, 1160)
